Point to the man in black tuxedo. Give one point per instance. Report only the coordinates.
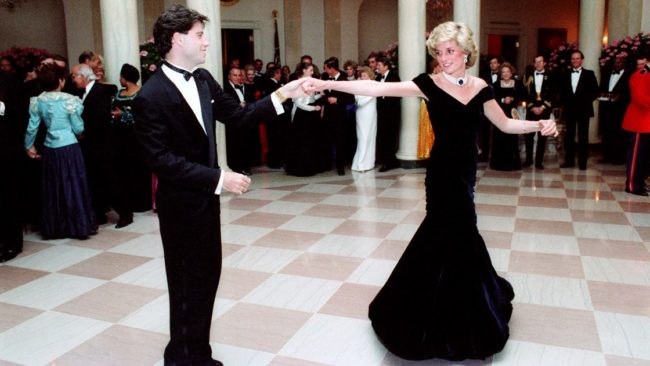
(485, 127)
(389, 118)
(97, 99)
(541, 99)
(176, 112)
(277, 126)
(236, 138)
(335, 105)
(578, 89)
(12, 160)
(614, 97)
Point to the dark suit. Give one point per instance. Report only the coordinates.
(547, 99)
(578, 108)
(485, 127)
(276, 128)
(184, 157)
(96, 145)
(389, 117)
(239, 141)
(611, 115)
(334, 118)
(12, 159)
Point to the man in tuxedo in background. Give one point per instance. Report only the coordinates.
(335, 112)
(578, 89)
(12, 160)
(614, 97)
(176, 112)
(236, 141)
(389, 118)
(97, 99)
(276, 127)
(541, 99)
(485, 127)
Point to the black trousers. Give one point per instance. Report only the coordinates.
(191, 237)
(638, 156)
(11, 226)
(582, 126)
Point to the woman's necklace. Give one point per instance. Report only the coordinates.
(454, 80)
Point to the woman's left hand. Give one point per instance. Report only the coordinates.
(548, 128)
(33, 154)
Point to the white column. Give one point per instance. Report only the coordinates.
(635, 16)
(469, 12)
(645, 17)
(411, 28)
(590, 41)
(212, 10)
(120, 37)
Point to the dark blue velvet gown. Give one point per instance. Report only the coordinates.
(444, 299)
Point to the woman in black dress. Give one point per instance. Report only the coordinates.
(509, 93)
(444, 299)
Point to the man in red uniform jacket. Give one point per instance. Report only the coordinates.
(637, 121)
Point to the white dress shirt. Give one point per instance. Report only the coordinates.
(539, 79)
(575, 77)
(613, 79)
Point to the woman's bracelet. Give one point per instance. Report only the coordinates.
(280, 96)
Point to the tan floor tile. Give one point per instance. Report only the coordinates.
(555, 326)
(546, 264)
(106, 266)
(413, 184)
(394, 203)
(613, 249)
(620, 298)
(602, 217)
(31, 247)
(581, 178)
(351, 301)
(306, 197)
(540, 183)
(331, 211)
(644, 232)
(496, 210)
(287, 239)
(497, 239)
(500, 174)
(625, 361)
(586, 194)
(390, 249)
(13, 277)
(100, 303)
(364, 228)
(257, 327)
(117, 345)
(106, 239)
(237, 283)
(288, 361)
(490, 189)
(261, 219)
(544, 227)
(362, 190)
(414, 218)
(633, 206)
(248, 204)
(12, 315)
(533, 201)
(291, 188)
(228, 249)
(329, 267)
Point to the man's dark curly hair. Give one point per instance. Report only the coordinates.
(175, 19)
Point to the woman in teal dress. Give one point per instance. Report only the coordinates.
(67, 210)
(444, 299)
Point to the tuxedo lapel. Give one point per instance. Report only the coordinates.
(181, 108)
(206, 111)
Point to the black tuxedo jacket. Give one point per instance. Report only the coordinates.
(621, 89)
(342, 99)
(389, 102)
(12, 130)
(580, 103)
(547, 96)
(97, 117)
(178, 150)
(228, 89)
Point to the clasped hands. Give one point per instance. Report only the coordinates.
(548, 127)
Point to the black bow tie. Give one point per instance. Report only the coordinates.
(576, 71)
(539, 73)
(240, 87)
(332, 78)
(615, 72)
(186, 74)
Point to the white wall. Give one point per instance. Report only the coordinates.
(313, 32)
(34, 23)
(377, 26)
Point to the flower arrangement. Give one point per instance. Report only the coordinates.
(560, 58)
(150, 59)
(626, 48)
(23, 57)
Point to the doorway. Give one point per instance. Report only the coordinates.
(237, 43)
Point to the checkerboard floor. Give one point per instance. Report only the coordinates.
(304, 257)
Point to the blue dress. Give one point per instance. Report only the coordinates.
(67, 210)
(444, 299)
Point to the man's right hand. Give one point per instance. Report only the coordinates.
(235, 182)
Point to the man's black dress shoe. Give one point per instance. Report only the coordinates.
(638, 192)
(385, 168)
(123, 222)
(9, 254)
(340, 171)
(567, 165)
(539, 166)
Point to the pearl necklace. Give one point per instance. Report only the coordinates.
(454, 80)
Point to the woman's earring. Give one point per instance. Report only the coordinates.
(466, 59)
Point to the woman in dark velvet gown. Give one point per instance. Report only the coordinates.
(444, 299)
(505, 147)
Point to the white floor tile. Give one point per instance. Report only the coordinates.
(517, 353)
(148, 245)
(543, 213)
(624, 335)
(261, 259)
(150, 274)
(348, 246)
(372, 272)
(542, 243)
(242, 234)
(55, 258)
(616, 270)
(50, 291)
(561, 292)
(605, 231)
(312, 224)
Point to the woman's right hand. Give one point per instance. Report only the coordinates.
(33, 154)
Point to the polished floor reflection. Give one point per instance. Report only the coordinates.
(304, 257)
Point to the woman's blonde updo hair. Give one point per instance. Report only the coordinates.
(457, 32)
